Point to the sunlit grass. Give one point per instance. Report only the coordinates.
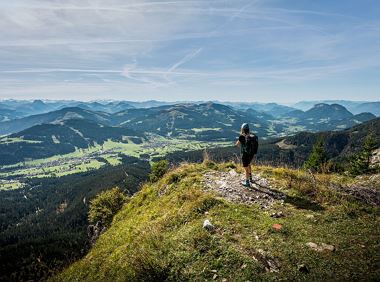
(158, 235)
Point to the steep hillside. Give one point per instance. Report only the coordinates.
(43, 226)
(338, 144)
(291, 226)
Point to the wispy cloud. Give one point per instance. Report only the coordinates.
(174, 45)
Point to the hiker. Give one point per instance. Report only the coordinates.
(248, 143)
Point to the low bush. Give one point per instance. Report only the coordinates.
(105, 205)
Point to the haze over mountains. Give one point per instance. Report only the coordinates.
(61, 127)
(356, 107)
(11, 109)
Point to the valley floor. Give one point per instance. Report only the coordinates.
(14, 176)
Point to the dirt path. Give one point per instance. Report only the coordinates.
(228, 185)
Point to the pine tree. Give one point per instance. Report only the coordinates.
(318, 157)
(361, 162)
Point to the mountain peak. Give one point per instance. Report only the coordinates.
(333, 112)
(38, 102)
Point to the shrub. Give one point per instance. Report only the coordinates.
(105, 205)
(158, 170)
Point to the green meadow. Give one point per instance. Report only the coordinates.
(82, 160)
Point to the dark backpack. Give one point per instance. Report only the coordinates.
(251, 145)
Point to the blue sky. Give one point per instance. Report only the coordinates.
(281, 51)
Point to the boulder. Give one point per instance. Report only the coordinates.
(208, 225)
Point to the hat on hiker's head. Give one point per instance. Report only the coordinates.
(245, 126)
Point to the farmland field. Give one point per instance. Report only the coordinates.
(82, 160)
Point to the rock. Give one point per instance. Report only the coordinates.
(215, 276)
(277, 214)
(94, 231)
(312, 245)
(267, 260)
(233, 172)
(303, 268)
(277, 226)
(320, 248)
(208, 226)
(328, 247)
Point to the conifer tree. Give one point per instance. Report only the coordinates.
(318, 157)
(361, 162)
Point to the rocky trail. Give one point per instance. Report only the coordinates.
(228, 185)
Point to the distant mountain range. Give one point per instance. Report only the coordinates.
(324, 117)
(64, 130)
(356, 107)
(13, 109)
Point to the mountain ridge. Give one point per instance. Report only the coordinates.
(158, 234)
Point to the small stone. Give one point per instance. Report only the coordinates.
(224, 280)
(243, 266)
(233, 172)
(328, 247)
(312, 245)
(303, 268)
(214, 270)
(207, 225)
(215, 276)
(309, 216)
(277, 214)
(320, 248)
(206, 213)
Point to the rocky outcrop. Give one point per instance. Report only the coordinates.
(94, 231)
(228, 185)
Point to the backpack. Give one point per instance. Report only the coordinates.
(251, 145)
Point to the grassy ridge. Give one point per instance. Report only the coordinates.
(158, 235)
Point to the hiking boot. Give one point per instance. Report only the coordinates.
(246, 183)
(250, 178)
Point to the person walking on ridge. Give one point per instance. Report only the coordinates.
(248, 143)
